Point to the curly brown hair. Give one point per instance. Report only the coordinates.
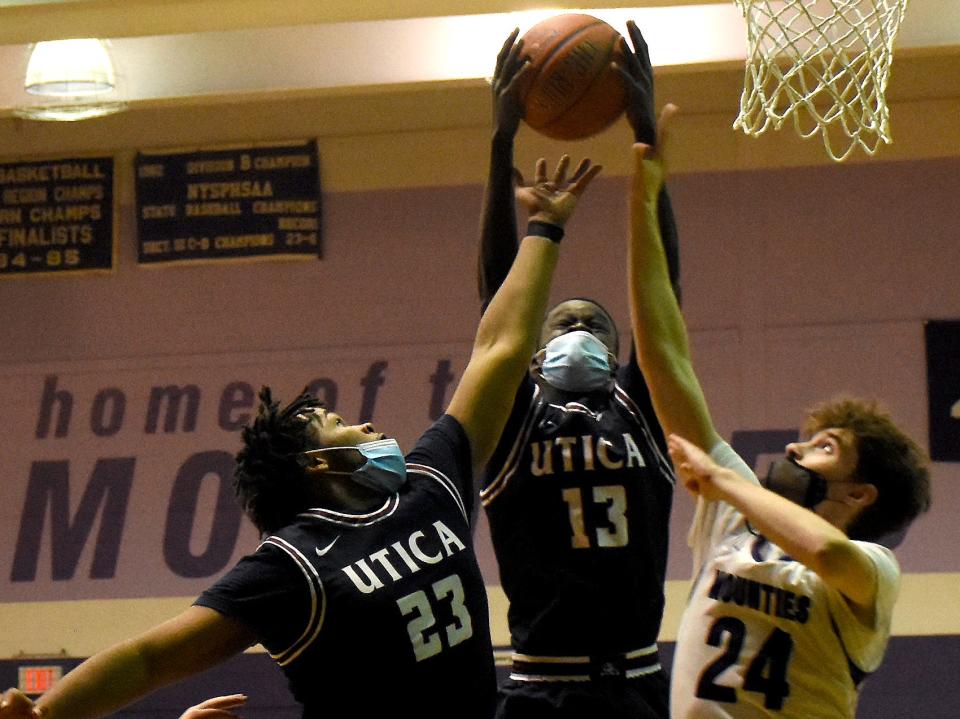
(887, 459)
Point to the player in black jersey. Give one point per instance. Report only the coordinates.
(579, 490)
(365, 588)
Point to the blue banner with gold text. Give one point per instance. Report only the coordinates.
(56, 216)
(223, 204)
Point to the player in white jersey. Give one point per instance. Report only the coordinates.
(792, 599)
(795, 644)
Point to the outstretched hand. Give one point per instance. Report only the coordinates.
(512, 65)
(216, 708)
(553, 199)
(637, 73)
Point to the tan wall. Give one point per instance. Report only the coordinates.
(799, 283)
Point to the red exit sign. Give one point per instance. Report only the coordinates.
(36, 680)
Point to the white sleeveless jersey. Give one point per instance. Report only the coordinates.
(762, 635)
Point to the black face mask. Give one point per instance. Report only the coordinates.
(788, 478)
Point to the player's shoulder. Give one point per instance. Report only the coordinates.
(443, 441)
(883, 559)
(442, 457)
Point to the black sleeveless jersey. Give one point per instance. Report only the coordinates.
(384, 611)
(578, 497)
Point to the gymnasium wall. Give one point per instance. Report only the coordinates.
(798, 284)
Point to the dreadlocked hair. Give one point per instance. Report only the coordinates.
(268, 481)
(886, 458)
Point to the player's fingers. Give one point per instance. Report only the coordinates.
(667, 113)
(627, 63)
(641, 151)
(675, 457)
(516, 77)
(505, 51)
(580, 185)
(15, 703)
(515, 58)
(540, 176)
(677, 447)
(624, 47)
(560, 174)
(664, 126)
(639, 43)
(229, 701)
(581, 168)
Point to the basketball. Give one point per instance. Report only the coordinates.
(571, 91)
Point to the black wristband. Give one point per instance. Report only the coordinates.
(552, 232)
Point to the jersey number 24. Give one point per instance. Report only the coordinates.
(766, 672)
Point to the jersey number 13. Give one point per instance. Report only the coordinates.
(613, 499)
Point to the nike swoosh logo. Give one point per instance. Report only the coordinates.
(321, 552)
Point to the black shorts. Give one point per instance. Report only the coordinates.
(643, 697)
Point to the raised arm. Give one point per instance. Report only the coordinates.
(195, 640)
(662, 342)
(508, 331)
(637, 73)
(804, 535)
(498, 229)
(659, 331)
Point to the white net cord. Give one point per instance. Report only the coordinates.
(825, 63)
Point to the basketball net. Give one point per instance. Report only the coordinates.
(823, 62)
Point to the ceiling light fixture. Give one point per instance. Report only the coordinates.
(68, 68)
(73, 75)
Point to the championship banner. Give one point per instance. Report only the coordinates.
(56, 216)
(259, 201)
(943, 389)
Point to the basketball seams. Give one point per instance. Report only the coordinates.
(563, 42)
(574, 40)
(597, 78)
(560, 46)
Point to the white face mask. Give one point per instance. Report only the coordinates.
(577, 362)
(384, 470)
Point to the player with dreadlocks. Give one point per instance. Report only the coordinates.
(365, 588)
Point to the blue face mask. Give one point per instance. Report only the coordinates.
(577, 362)
(384, 470)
